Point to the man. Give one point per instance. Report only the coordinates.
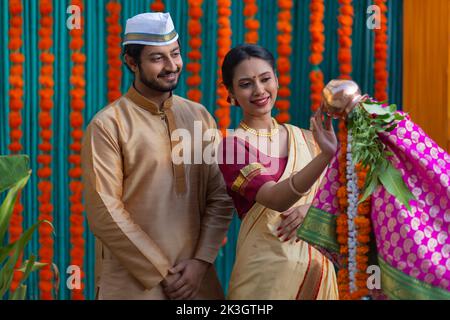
(158, 224)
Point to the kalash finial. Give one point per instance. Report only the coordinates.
(340, 97)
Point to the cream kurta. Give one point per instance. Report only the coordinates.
(148, 214)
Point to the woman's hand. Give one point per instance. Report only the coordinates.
(292, 219)
(324, 133)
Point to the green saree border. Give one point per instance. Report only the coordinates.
(400, 286)
(319, 228)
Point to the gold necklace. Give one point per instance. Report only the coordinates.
(273, 131)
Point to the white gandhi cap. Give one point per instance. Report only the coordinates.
(152, 29)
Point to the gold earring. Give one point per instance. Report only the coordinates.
(233, 102)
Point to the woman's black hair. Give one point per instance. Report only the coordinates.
(238, 54)
(134, 51)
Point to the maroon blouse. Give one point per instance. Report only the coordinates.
(246, 169)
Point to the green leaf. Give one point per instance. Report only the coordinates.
(13, 169)
(391, 128)
(5, 251)
(383, 164)
(359, 144)
(34, 265)
(3, 280)
(392, 108)
(6, 273)
(382, 117)
(392, 180)
(7, 207)
(30, 266)
(20, 293)
(375, 109)
(398, 116)
(388, 119)
(370, 188)
(6, 277)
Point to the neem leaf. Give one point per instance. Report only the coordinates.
(375, 109)
(388, 119)
(370, 188)
(391, 128)
(392, 180)
(392, 108)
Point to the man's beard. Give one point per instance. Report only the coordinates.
(155, 85)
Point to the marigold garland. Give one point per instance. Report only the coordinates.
(381, 55)
(224, 45)
(157, 6)
(113, 50)
(251, 23)
(353, 226)
(345, 20)
(77, 104)
(15, 117)
(342, 219)
(316, 29)
(195, 13)
(284, 50)
(44, 173)
(359, 233)
(363, 227)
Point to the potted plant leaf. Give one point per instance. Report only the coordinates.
(14, 175)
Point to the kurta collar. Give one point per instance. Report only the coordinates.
(167, 114)
(147, 104)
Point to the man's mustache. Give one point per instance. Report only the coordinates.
(163, 74)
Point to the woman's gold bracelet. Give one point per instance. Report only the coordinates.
(291, 184)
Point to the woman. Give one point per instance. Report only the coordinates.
(272, 173)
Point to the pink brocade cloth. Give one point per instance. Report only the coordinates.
(414, 242)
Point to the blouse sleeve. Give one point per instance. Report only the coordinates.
(242, 172)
